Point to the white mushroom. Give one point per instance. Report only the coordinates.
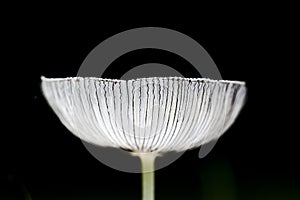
(148, 116)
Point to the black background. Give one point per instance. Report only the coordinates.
(260, 150)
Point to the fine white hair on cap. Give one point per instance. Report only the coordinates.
(158, 114)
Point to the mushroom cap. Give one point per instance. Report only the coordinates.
(158, 114)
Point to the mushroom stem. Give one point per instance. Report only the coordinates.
(148, 169)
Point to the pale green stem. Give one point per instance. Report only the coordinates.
(148, 169)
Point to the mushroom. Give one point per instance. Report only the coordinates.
(146, 116)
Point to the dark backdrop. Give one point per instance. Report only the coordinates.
(255, 159)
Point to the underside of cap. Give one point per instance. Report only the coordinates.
(157, 114)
